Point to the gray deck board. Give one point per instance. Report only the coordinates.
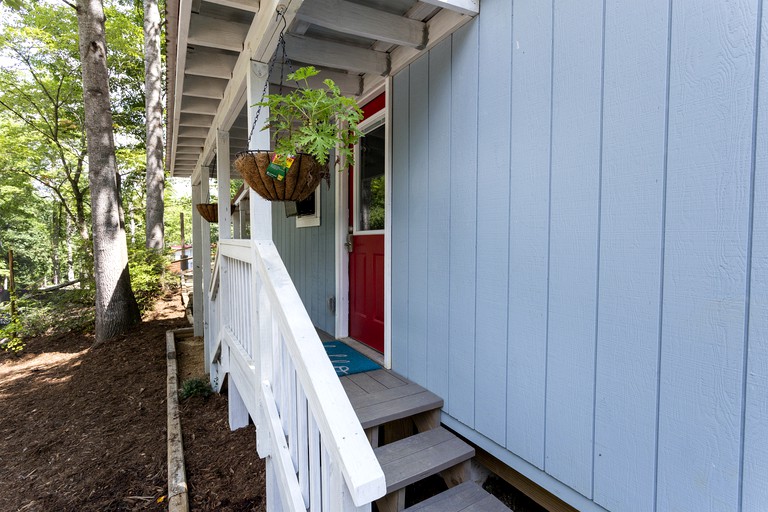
(378, 413)
(409, 460)
(466, 497)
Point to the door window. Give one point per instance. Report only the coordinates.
(370, 181)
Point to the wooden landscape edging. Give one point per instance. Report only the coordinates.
(177, 477)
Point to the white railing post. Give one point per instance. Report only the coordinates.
(205, 246)
(197, 256)
(261, 209)
(222, 175)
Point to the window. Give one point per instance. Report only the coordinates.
(369, 213)
(308, 210)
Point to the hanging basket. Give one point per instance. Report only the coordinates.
(300, 181)
(209, 211)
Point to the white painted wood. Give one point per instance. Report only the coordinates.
(360, 20)
(205, 240)
(236, 249)
(311, 221)
(223, 170)
(350, 84)
(388, 226)
(283, 470)
(212, 64)
(442, 25)
(341, 266)
(195, 105)
(342, 434)
(185, 12)
(215, 33)
(336, 55)
(470, 7)
(191, 131)
(197, 257)
(302, 443)
(204, 87)
(315, 490)
(260, 208)
(198, 120)
(244, 5)
(238, 414)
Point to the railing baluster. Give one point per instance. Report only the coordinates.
(315, 483)
(302, 442)
(325, 477)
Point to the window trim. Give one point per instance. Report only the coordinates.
(377, 120)
(311, 221)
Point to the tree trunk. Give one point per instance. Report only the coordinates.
(116, 308)
(154, 105)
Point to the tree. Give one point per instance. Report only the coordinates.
(154, 108)
(116, 307)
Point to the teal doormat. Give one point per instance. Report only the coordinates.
(346, 360)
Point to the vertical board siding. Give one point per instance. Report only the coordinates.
(438, 222)
(309, 256)
(418, 206)
(463, 225)
(529, 229)
(580, 234)
(400, 209)
(708, 188)
(494, 73)
(574, 228)
(755, 450)
(631, 233)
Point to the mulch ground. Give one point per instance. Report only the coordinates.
(84, 428)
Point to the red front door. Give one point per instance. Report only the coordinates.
(366, 224)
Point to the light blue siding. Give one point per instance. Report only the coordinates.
(755, 470)
(309, 256)
(529, 229)
(708, 183)
(400, 210)
(574, 231)
(493, 220)
(606, 325)
(463, 225)
(631, 237)
(438, 223)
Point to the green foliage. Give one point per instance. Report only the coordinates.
(147, 269)
(195, 387)
(55, 312)
(10, 339)
(313, 121)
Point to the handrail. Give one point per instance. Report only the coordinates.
(336, 419)
(276, 353)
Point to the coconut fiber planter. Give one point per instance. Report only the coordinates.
(303, 177)
(210, 211)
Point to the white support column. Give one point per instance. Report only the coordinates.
(261, 209)
(223, 171)
(197, 257)
(244, 215)
(205, 261)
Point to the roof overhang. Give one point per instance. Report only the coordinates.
(211, 43)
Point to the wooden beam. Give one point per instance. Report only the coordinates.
(360, 20)
(350, 85)
(336, 55)
(210, 63)
(204, 87)
(442, 25)
(243, 5)
(197, 105)
(215, 33)
(469, 7)
(190, 141)
(193, 131)
(195, 120)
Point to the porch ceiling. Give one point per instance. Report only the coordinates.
(354, 42)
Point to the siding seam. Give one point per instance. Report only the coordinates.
(509, 212)
(750, 233)
(599, 234)
(549, 230)
(662, 258)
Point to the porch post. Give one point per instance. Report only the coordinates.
(222, 170)
(205, 260)
(261, 209)
(197, 257)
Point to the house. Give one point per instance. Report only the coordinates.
(574, 246)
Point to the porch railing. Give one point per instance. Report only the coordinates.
(262, 339)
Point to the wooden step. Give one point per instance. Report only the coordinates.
(382, 396)
(466, 497)
(414, 458)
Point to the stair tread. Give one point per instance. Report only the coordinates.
(413, 458)
(466, 497)
(377, 408)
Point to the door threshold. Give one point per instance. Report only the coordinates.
(373, 355)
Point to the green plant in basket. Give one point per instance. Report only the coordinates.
(313, 121)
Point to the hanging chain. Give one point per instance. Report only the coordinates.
(283, 61)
